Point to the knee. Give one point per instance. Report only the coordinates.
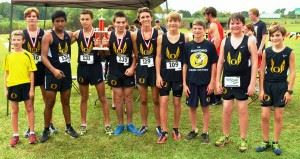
(29, 109)
(84, 98)
(278, 118)
(265, 117)
(144, 102)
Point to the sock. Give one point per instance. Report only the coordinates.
(15, 134)
(68, 126)
(85, 125)
(176, 131)
(31, 133)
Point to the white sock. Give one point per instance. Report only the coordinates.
(31, 133)
(15, 134)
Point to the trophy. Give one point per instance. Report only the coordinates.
(101, 36)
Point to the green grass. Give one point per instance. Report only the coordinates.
(96, 145)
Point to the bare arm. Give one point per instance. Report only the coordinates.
(262, 44)
(46, 41)
(158, 62)
(253, 51)
(262, 76)
(220, 67)
(31, 91)
(216, 35)
(5, 84)
(130, 70)
(292, 71)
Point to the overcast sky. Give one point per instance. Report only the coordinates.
(233, 5)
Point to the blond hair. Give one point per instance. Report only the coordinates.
(173, 16)
(28, 11)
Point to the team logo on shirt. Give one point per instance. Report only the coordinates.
(34, 50)
(147, 51)
(86, 50)
(172, 56)
(80, 80)
(120, 50)
(234, 61)
(224, 91)
(64, 50)
(198, 60)
(277, 69)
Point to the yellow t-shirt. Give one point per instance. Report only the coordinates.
(19, 65)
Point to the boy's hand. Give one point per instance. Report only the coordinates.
(186, 90)
(58, 74)
(210, 88)
(219, 88)
(159, 82)
(287, 98)
(261, 95)
(31, 94)
(251, 90)
(129, 71)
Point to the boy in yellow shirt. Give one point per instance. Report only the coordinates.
(19, 82)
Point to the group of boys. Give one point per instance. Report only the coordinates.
(163, 61)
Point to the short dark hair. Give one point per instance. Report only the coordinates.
(119, 14)
(89, 12)
(210, 11)
(236, 16)
(199, 22)
(143, 9)
(59, 14)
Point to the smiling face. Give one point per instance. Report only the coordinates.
(236, 26)
(198, 31)
(276, 38)
(173, 24)
(17, 41)
(145, 19)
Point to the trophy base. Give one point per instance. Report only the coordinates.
(100, 48)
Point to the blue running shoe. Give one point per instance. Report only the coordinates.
(131, 128)
(158, 131)
(119, 129)
(276, 149)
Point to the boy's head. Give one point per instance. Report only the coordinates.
(198, 28)
(173, 21)
(143, 12)
(120, 21)
(209, 13)
(31, 11)
(17, 39)
(253, 14)
(86, 18)
(277, 29)
(58, 15)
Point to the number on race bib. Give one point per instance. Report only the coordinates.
(64, 58)
(123, 60)
(89, 59)
(147, 61)
(37, 58)
(232, 81)
(174, 65)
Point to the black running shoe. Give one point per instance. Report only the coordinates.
(204, 138)
(191, 135)
(72, 132)
(45, 136)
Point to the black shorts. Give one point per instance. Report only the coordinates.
(230, 93)
(146, 76)
(274, 94)
(123, 81)
(175, 86)
(39, 75)
(89, 74)
(198, 92)
(19, 92)
(54, 84)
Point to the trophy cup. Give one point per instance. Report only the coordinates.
(101, 34)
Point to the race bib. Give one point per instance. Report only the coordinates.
(147, 61)
(233, 81)
(89, 59)
(176, 65)
(123, 59)
(37, 58)
(64, 58)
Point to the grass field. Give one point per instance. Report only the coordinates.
(97, 145)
